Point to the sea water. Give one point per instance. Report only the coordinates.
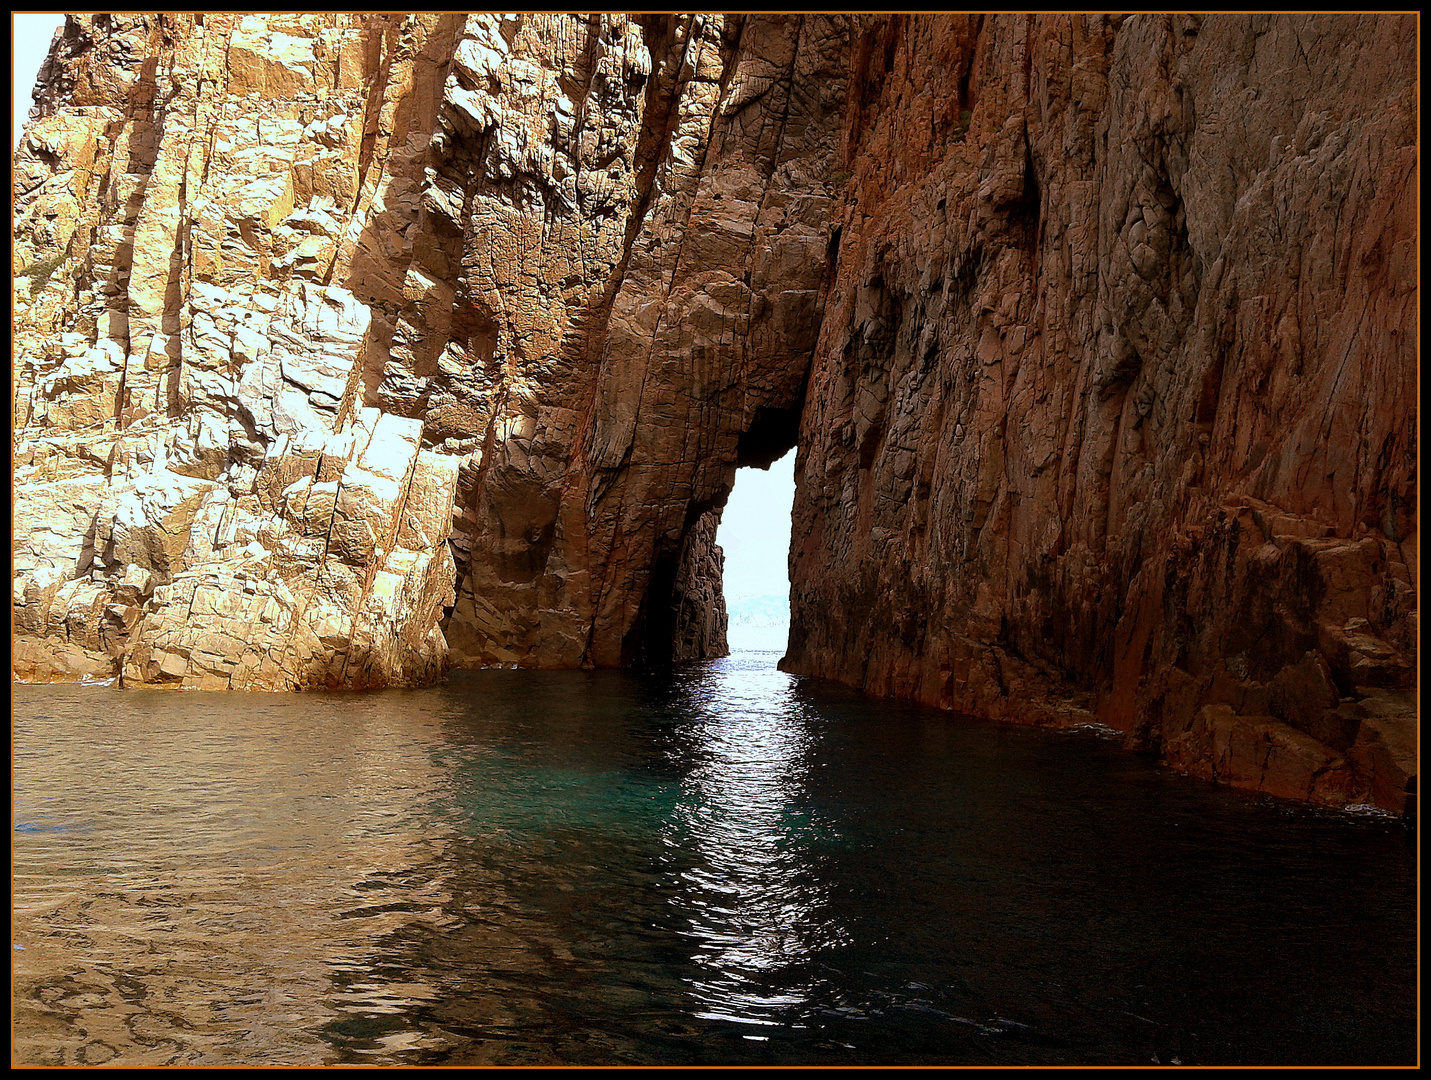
(722, 864)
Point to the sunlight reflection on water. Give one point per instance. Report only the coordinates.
(755, 904)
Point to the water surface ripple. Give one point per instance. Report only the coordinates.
(725, 864)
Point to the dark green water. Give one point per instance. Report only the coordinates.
(724, 865)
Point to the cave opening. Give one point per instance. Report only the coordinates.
(721, 584)
(754, 535)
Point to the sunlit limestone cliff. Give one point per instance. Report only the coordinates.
(350, 348)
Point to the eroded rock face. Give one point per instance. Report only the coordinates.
(1113, 410)
(351, 347)
(311, 305)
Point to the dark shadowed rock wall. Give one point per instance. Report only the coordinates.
(1113, 410)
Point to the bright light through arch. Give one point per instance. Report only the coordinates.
(755, 535)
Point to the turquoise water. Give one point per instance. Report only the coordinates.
(725, 864)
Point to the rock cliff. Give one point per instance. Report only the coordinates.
(1113, 411)
(352, 347)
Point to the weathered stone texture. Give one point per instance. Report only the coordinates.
(207, 501)
(350, 347)
(1113, 409)
(549, 272)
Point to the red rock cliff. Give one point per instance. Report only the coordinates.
(1113, 410)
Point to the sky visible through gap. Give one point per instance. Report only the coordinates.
(755, 535)
(29, 44)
